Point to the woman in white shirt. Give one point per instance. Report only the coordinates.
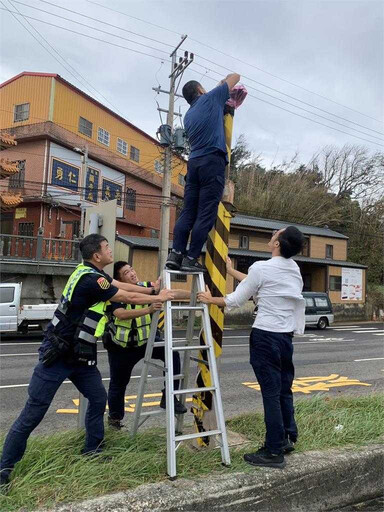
(277, 285)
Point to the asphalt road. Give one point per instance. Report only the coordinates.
(346, 359)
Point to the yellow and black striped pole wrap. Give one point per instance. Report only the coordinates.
(216, 278)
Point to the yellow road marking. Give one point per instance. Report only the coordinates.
(307, 385)
(130, 407)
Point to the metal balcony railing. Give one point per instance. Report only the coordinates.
(37, 248)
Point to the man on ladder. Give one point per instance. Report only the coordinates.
(125, 340)
(204, 124)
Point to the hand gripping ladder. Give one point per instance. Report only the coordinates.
(174, 428)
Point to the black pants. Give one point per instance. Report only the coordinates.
(202, 195)
(121, 364)
(271, 358)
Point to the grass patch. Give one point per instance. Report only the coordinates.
(53, 471)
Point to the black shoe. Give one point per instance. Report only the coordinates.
(4, 483)
(264, 458)
(174, 261)
(115, 424)
(192, 265)
(288, 446)
(179, 407)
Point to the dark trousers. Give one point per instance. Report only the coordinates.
(203, 192)
(42, 389)
(271, 358)
(121, 364)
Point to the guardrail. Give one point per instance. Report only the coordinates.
(37, 248)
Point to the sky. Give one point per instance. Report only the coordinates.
(324, 54)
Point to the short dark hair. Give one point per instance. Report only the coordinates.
(191, 91)
(117, 267)
(291, 242)
(91, 244)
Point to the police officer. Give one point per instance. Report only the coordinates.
(126, 340)
(69, 350)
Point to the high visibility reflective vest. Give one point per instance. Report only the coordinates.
(92, 324)
(121, 329)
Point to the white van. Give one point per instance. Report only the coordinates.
(17, 318)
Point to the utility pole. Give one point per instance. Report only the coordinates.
(177, 68)
(84, 168)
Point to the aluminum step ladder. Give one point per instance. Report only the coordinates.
(187, 345)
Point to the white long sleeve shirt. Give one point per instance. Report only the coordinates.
(277, 284)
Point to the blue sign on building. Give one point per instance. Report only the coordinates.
(92, 185)
(65, 175)
(111, 190)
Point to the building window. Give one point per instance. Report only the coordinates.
(159, 166)
(122, 147)
(21, 112)
(85, 127)
(244, 242)
(17, 180)
(335, 283)
(305, 249)
(329, 251)
(135, 154)
(181, 180)
(154, 233)
(307, 282)
(26, 228)
(130, 199)
(103, 136)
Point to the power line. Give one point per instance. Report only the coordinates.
(88, 36)
(83, 79)
(289, 96)
(309, 119)
(101, 21)
(262, 92)
(90, 27)
(237, 59)
(211, 62)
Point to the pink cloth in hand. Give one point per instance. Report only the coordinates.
(237, 96)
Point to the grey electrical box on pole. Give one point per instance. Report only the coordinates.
(177, 68)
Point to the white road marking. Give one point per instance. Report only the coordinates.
(362, 332)
(371, 359)
(65, 382)
(378, 334)
(357, 327)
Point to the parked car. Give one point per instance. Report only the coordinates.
(15, 317)
(318, 310)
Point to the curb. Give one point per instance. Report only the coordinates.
(312, 481)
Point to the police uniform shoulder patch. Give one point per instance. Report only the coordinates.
(103, 283)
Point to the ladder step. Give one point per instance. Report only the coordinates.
(182, 272)
(187, 308)
(199, 360)
(175, 377)
(192, 347)
(199, 434)
(193, 390)
(153, 413)
(160, 366)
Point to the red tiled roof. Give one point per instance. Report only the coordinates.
(7, 140)
(8, 201)
(7, 168)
